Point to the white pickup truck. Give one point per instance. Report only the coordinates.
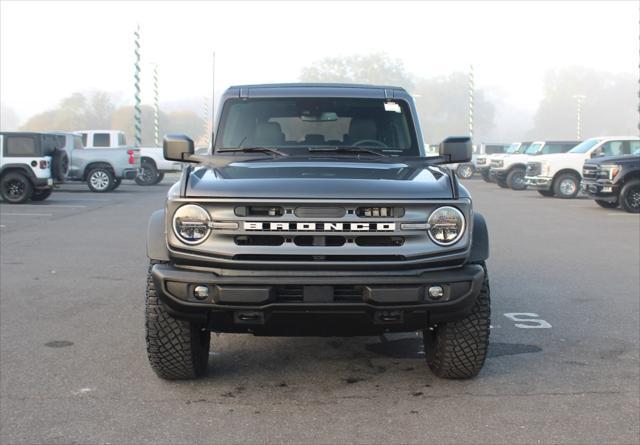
(509, 171)
(152, 161)
(560, 174)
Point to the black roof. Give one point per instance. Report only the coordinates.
(318, 85)
(316, 90)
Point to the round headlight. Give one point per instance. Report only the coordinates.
(191, 224)
(446, 225)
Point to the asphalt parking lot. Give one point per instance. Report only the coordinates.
(563, 365)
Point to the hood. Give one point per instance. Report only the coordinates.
(560, 157)
(320, 180)
(624, 159)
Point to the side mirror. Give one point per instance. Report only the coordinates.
(456, 150)
(177, 147)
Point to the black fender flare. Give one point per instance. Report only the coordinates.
(156, 237)
(21, 168)
(479, 240)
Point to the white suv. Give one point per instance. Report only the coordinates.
(509, 171)
(560, 174)
(29, 165)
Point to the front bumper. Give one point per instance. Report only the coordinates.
(538, 182)
(495, 173)
(601, 189)
(365, 304)
(43, 183)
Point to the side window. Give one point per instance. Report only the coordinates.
(611, 148)
(20, 146)
(78, 141)
(554, 148)
(101, 139)
(84, 139)
(634, 146)
(121, 140)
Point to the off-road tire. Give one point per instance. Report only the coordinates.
(104, 183)
(177, 349)
(512, 179)
(458, 349)
(15, 188)
(116, 183)
(546, 193)
(630, 196)
(149, 173)
(59, 164)
(502, 183)
(41, 195)
(560, 191)
(607, 204)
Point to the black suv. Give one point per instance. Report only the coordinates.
(614, 181)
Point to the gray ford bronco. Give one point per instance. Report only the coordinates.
(317, 213)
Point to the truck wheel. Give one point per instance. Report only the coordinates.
(148, 175)
(515, 179)
(159, 178)
(607, 204)
(465, 171)
(546, 193)
(176, 349)
(458, 349)
(502, 183)
(41, 195)
(630, 196)
(485, 176)
(100, 180)
(15, 188)
(566, 186)
(116, 184)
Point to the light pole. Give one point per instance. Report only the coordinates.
(471, 101)
(156, 108)
(138, 110)
(580, 98)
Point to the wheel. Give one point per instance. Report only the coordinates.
(515, 179)
(630, 196)
(148, 175)
(485, 175)
(502, 183)
(607, 204)
(15, 188)
(176, 349)
(546, 193)
(458, 349)
(41, 195)
(100, 180)
(465, 171)
(159, 178)
(566, 185)
(116, 184)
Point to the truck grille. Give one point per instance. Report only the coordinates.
(589, 171)
(533, 168)
(309, 234)
(341, 294)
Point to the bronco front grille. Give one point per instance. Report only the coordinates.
(341, 293)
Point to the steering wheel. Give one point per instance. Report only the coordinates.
(370, 142)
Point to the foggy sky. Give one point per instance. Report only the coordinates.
(49, 50)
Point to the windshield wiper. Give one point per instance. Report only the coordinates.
(252, 150)
(345, 150)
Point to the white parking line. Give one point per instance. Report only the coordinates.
(620, 214)
(49, 205)
(25, 214)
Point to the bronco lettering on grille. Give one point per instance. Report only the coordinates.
(319, 227)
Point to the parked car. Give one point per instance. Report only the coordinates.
(613, 181)
(30, 164)
(359, 234)
(480, 154)
(153, 164)
(103, 169)
(514, 148)
(560, 174)
(509, 171)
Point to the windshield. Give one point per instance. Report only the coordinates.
(513, 148)
(534, 148)
(300, 123)
(584, 146)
